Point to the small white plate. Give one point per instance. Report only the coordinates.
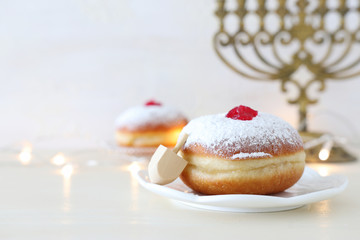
(309, 189)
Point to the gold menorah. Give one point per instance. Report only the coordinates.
(263, 49)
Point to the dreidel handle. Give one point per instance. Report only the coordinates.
(181, 141)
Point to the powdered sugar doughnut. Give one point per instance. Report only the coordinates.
(149, 126)
(259, 155)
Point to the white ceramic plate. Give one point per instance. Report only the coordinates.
(309, 189)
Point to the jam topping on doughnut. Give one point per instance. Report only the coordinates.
(242, 113)
(152, 103)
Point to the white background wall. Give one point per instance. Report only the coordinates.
(68, 68)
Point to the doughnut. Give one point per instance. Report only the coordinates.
(241, 152)
(149, 125)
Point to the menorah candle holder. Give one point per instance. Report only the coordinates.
(272, 40)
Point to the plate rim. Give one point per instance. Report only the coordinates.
(257, 201)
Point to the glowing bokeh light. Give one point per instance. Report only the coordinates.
(324, 154)
(25, 155)
(59, 159)
(67, 170)
(134, 168)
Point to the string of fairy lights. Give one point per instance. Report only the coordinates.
(70, 161)
(66, 163)
(26, 155)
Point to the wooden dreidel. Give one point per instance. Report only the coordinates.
(165, 165)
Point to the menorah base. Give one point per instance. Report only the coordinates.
(336, 154)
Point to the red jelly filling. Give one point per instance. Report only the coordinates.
(152, 103)
(242, 113)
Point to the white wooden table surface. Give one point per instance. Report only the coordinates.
(102, 200)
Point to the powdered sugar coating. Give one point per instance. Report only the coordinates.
(242, 155)
(262, 137)
(145, 117)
